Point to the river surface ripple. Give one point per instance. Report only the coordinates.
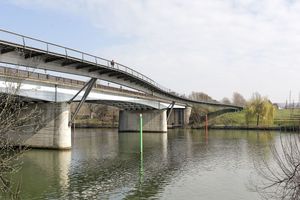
(180, 164)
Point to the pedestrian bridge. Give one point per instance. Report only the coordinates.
(154, 101)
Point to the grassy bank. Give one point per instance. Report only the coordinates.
(282, 118)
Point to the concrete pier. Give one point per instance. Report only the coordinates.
(55, 132)
(186, 116)
(180, 117)
(153, 121)
(176, 117)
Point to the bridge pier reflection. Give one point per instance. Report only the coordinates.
(47, 170)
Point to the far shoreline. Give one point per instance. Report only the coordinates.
(220, 127)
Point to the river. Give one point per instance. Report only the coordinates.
(180, 164)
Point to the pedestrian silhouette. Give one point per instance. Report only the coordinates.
(112, 63)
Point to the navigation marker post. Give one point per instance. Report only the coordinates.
(141, 133)
(141, 152)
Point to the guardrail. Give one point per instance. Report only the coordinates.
(48, 47)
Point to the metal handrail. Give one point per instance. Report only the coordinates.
(83, 55)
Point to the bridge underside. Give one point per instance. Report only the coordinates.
(122, 104)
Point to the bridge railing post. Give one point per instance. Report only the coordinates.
(23, 39)
(47, 48)
(66, 51)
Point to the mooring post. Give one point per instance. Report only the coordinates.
(141, 133)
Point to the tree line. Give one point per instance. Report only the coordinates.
(258, 108)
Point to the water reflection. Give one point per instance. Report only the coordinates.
(41, 170)
(183, 164)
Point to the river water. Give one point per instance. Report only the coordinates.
(180, 164)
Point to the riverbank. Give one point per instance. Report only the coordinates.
(258, 128)
(240, 128)
(218, 127)
(284, 120)
(261, 128)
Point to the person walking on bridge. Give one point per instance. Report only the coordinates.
(112, 63)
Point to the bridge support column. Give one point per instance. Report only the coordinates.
(153, 121)
(187, 114)
(55, 132)
(180, 117)
(176, 118)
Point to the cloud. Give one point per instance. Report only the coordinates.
(216, 46)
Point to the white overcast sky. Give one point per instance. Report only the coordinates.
(214, 46)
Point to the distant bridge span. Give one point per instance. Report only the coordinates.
(26, 51)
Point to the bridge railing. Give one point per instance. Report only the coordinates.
(51, 48)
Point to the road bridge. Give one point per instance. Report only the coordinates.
(150, 98)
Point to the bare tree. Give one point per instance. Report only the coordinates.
(101, 111)
(91, 108)
(238, 99)
(225, 100)
(201, 96)
(197, 114)
(96, 109)
(16, 121)
(281, 175)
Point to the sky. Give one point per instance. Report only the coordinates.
(212, 46)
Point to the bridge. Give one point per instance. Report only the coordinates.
(154, 101)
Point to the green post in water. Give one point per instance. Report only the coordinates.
(141, 150)
(141, 132)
